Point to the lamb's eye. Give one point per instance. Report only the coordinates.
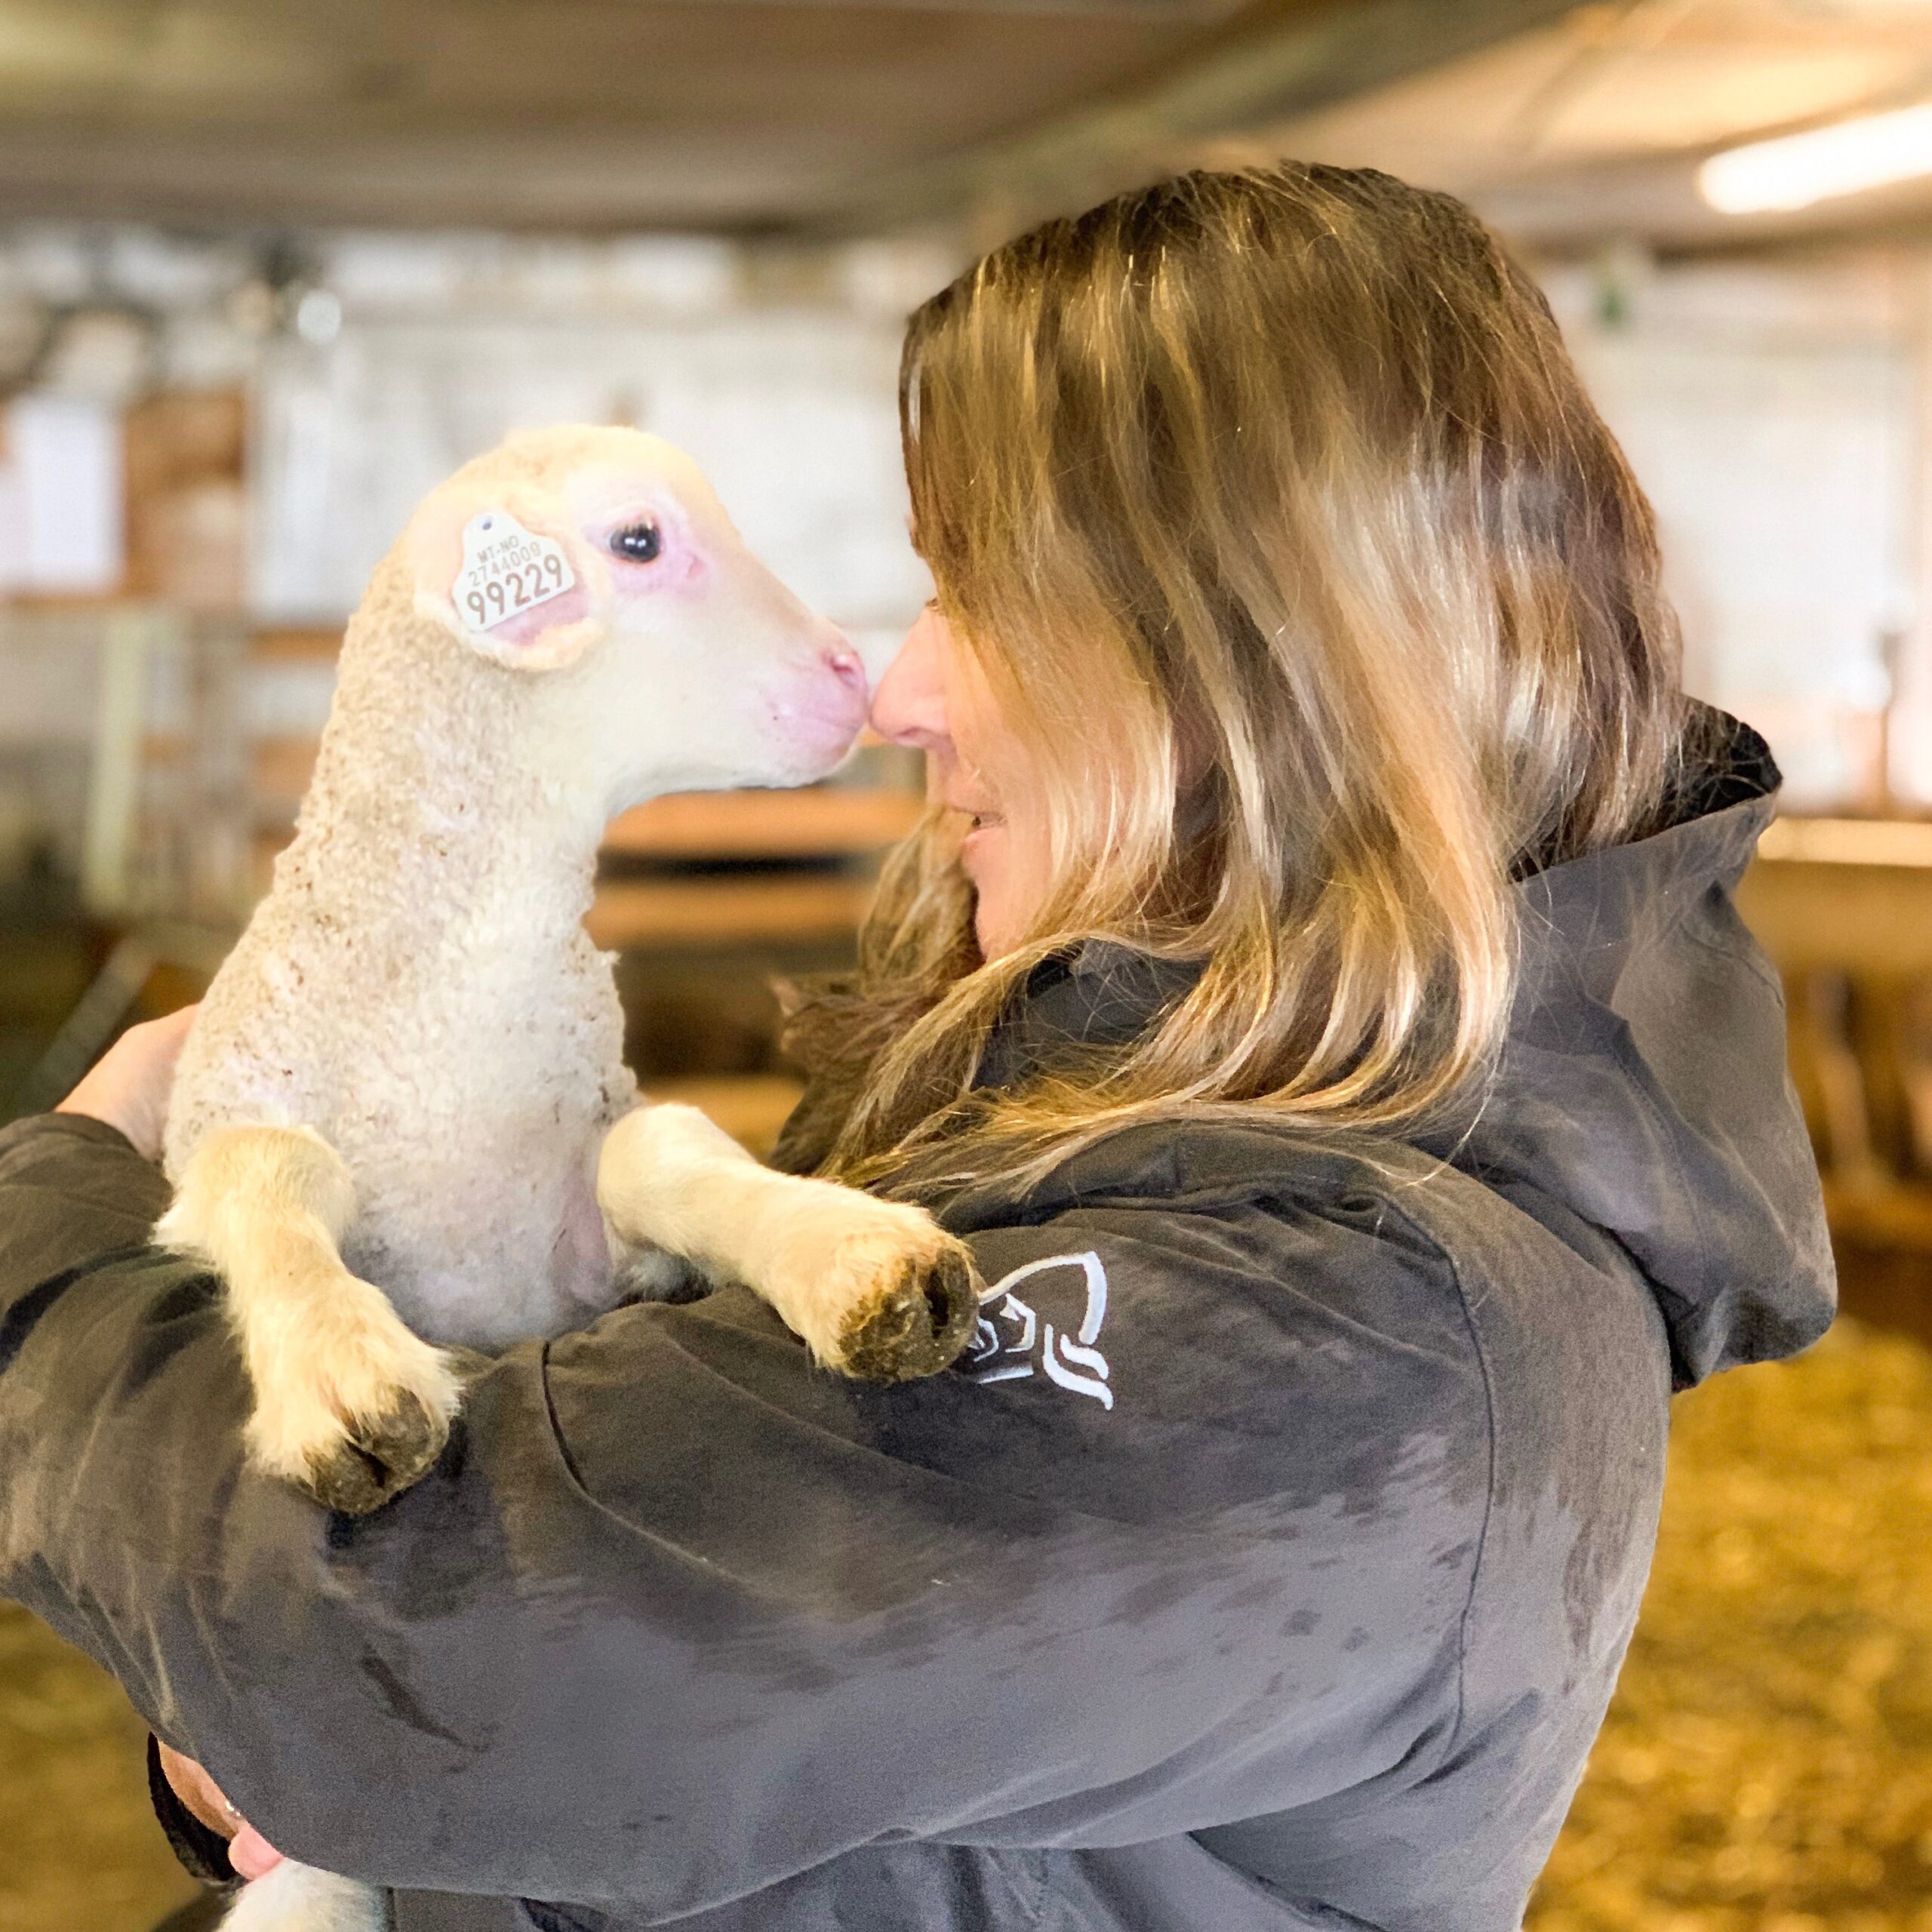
(637, 542)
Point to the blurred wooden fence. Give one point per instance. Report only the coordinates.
(1844, 907)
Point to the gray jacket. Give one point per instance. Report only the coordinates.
(1267, 1566)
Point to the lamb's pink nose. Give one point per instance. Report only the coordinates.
(844, 663)
(826, 709)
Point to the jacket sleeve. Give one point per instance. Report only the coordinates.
(677, 1615)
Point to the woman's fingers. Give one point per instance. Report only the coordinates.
(248, 1851)
(199, 1793)
(128, 1086)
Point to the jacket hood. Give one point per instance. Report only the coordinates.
(1642, 1090)
(1643, 1084)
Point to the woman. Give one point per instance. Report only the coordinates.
(1316, 996)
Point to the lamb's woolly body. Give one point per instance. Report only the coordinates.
(411, 1063)
(417, 987)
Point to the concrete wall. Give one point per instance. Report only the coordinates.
(1771, 411)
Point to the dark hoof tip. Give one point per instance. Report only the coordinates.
(920, 1324)
(381, 1459)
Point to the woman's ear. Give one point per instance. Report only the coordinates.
(504, 570)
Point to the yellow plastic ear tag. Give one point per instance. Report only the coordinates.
(506, 569)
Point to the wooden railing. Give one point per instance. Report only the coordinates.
(1844, 907)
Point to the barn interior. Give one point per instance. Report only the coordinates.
(268, 271)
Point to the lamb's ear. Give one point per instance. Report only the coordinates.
(507, 574)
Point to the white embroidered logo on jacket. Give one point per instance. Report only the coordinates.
(1004, 1344)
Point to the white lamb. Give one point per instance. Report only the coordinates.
(408, 1073)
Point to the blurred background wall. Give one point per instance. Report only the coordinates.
(268, 271)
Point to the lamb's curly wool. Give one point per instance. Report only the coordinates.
(417, 987)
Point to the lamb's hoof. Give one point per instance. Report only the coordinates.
(918, 1324)
(376, 1461)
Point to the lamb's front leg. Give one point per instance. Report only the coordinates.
(876, 1288)
(348, 1403)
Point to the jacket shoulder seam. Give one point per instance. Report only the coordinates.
(1362, 1176)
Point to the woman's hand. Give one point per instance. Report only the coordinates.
(128, 1085)
(248, 1851)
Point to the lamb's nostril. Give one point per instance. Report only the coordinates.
(846, 667)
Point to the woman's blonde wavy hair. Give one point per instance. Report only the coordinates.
(1273, 514)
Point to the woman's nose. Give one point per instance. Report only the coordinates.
(908, 706)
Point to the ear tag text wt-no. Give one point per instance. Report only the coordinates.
(505, 569)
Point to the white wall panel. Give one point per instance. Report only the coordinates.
(1768, 414)
(792, 413)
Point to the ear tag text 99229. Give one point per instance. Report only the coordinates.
(505, 569)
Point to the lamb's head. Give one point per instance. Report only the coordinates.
(597, 567)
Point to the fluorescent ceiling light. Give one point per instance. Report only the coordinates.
(1796, 169)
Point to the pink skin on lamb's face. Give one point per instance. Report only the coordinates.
(691, 666)
(785, 686)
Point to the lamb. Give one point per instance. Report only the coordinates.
(402, 1119)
